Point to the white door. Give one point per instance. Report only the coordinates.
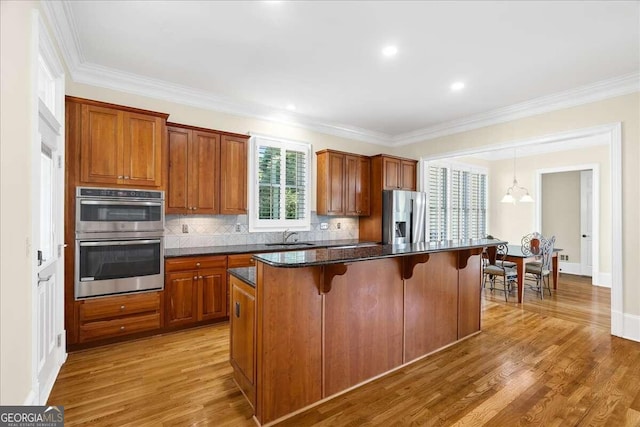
(47, 200)
(586, 222)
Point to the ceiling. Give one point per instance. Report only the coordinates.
(325, 57)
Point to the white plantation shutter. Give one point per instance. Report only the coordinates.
(438, 200)
(280, 185)
(457, 202)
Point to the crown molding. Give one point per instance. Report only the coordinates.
(598, 91)
(60, 16)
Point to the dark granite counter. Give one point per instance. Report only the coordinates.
(249, 249)
(246, 274)
(336, 255)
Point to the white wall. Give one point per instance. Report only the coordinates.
(561, 211)
(16, 258)
(623, 109)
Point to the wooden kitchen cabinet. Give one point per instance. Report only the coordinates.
(233, 181)
(398, 174)
(243, 343)
(195, 289)
(207, 171)
(194, 174)
(342, 183)
(119, 145)
(240, 260)
(387, 173)
(110, 317)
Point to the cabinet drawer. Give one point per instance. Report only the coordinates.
(241, 260)
(117, 327)
(124, 305)
(193, 263)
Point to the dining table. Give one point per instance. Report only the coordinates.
(520, 258)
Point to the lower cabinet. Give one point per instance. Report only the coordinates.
(243, 344)
(195, 290)
(111, 317)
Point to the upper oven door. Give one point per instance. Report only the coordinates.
(103, 215)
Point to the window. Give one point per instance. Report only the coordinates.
(280, 185)
(457, 197)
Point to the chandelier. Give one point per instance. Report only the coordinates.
(513, 192)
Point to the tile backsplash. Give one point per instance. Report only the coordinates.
(220, 230)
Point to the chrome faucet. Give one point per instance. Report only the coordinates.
(286, 234)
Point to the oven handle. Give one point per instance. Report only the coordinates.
(118, 203)
(120, 243)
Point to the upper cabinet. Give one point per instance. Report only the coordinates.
(343, 184)
(398, 174)
(207, 171)
(117, 145)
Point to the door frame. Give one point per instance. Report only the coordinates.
(613, 133)
(597, 278)
(50, 125)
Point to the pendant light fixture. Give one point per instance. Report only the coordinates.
(510, 196)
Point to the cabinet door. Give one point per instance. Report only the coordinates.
(178, 186)
(391, 172)
(336, 183)
(205, 172)
(409, 175)
(212, 290)
(181, 298)
(357, 191)
(101, 145)
(142, 150)
(242, 321)
(233, 178)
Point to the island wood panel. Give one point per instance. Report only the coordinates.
(469, 289)
(431, 305)
(363, 323)
(289, 340)
(242, 351)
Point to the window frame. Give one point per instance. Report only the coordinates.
(265, 225)
(450, 166)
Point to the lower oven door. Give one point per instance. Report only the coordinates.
(107, 267)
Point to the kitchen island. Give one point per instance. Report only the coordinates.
(313, 324)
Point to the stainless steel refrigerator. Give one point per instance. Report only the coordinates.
(403, 216)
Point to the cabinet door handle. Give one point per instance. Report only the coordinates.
(237, 309)
(195, 277)
(121, 177)
(197, 264)
(201, 277)
(126, 177)
(122, 328)
(122, 307)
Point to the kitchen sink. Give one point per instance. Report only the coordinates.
(290, 244)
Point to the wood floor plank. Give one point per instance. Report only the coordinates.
(548, 362)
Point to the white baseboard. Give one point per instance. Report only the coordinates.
(625, 325)
(599, 279)
(602, 279)
(569, 267)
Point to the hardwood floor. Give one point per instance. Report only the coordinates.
(543, 363)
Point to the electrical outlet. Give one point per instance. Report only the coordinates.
(185, 228)
(324, 226)
(237, 227)
(338, 225)
(566, 257)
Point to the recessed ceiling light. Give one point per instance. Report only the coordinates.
(457, 86)
(389, 50)
(291, 107)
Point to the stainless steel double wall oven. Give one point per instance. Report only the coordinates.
(119, 244)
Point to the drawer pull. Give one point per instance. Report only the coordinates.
(122, 307)
(237, 309)
(195, 277)
(122, 328)
(197, 264)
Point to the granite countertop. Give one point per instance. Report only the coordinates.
(246, 274)
(250, 249)
(323, 256)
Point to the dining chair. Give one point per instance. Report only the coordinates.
(531, 245)
(541, 270)
(496, 268)
(509, 264)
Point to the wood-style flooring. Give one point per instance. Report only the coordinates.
(541, 363)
